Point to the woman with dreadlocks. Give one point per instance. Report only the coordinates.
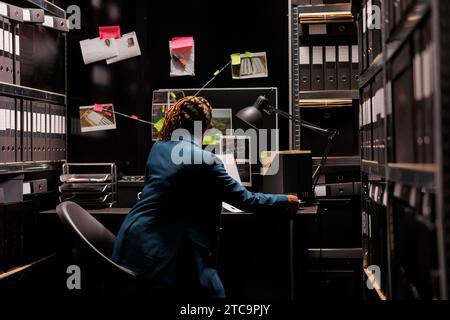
(169, 236)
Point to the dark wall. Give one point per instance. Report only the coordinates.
(219, 29)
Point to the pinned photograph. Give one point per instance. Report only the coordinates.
(249, 65)
(97, 118)
(97, 49)
(182, 61)
(239, 148)
(127, 46)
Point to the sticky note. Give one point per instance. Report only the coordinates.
(98, 107)
(134, 117)
(158, 125)
(236, 59)
(216, 73)
(180, 43)
(248, 54)
(173, 95)
(108, 114)
(109, 32)
(107, 106)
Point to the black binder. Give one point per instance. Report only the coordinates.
(3, 77)
(355, 67)
(428, 90)
(16, 51)
(403, 96)
(364, 38)
(317, 82)
(418, 98)
(3, 143)
(330, 68)
(18, 126)
(305, 68)
(8, 51)
(343, 68)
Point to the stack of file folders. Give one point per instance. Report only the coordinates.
(88, 190)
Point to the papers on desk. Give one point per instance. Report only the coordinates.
(111, 50)
(229, 208)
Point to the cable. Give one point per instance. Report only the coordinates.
(211, 80)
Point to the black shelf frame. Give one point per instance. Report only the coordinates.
(49, 8)
(376, 66)
(18, 91)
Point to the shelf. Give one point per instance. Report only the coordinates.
(329, 13)
(373, 167)
(418, 175)
(355, 6)
(370, 72)
(412, 20)
(339, 161)
(20, 271)
(329, 95)
(336, 253)
(371, 277)
(31, 93)
(25, 167)
(49, 7)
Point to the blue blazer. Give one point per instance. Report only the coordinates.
(170, 233)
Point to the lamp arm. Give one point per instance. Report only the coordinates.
(329, 133)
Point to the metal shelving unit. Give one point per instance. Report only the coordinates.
(430, 178)
(24, 92)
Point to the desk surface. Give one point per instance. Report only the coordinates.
(305, 210)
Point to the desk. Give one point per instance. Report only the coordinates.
(117, 215)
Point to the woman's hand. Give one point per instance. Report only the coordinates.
(292, 203)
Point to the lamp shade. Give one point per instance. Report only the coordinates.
(252, 116)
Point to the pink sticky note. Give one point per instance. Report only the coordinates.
(109, 32)
(108, 114)
(134, 117)
(108, 106)
(179, 43)
(98, 107)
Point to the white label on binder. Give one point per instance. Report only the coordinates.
(17, 45)
(317, 29)
(47, 126)
(330, 54)
(321, 191)
(29, 121)
(398, 190)
(13, 119)
(38, 123)
(427, 56)
(304, 55)
(11, 43)
(3, 9)
(48, 21)
(34, 122)
(413, 197)
(64, 125)
(344, 56)
(43, 123)
(385, 198)
(24, 121)
(5, 41)
(364, 13)
(26, 189)
(19, 125)
(26, 15)
(58, 124)
(8, 119)
(355, 54)
(53, 125)
(317, 55)
(2, 119)
(1, 40)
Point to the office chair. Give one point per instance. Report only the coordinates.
(96, 245)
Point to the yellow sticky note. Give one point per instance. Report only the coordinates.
(173, 95)
(236, 59)
(158, 125)
(216, 73)
(248, 54)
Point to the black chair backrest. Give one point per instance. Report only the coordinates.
(89, 231)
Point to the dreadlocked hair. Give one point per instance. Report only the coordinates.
(184, 113)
